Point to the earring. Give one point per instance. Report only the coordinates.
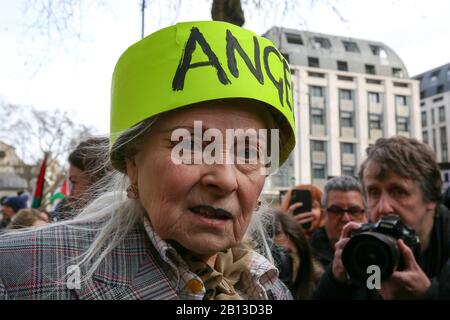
(133, 192)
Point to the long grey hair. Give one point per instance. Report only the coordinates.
(112, 215)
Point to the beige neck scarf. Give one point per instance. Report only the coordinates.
(220, 281)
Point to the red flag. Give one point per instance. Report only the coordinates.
(65, 188)
(40, 184)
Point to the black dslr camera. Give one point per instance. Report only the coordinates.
(376, 244)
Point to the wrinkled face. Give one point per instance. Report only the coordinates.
(342, 208)
(204, 207)
(397, 195)
(79, 183)
(288, 245)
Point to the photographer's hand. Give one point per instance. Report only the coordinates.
(410, 283)
(339, 272)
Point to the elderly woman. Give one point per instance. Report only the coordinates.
(191, 109)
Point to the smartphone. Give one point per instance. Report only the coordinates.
(304, 196)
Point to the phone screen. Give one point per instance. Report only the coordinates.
(305, 197)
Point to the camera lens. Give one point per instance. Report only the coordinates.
(367, 249)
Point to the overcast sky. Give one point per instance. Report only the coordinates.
(75, 73)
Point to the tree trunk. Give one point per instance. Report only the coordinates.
(229, 11)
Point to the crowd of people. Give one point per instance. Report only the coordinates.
(142, 223)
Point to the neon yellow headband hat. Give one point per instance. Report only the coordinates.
(194, 62)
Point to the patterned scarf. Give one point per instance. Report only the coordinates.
(219, 281)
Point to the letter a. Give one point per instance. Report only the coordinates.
(374, 280)
(185, 63)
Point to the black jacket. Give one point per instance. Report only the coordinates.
(321, 247)
(434, 262)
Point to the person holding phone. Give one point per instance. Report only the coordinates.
(303, 203)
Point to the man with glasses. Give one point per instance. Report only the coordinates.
(342, 202)
(400, 177)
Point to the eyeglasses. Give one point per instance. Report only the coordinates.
(355, 212)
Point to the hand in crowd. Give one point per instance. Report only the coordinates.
(303, 218)
(339, 272)
(409, 283)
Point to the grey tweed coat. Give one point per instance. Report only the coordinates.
(35, 266)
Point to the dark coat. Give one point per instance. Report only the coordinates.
(321, 247)
(434, 262)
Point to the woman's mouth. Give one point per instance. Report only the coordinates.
(211, 212)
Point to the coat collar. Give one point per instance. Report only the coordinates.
(131, 271)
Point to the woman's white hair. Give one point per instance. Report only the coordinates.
(112, 215)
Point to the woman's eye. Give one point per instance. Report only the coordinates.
(249, 154)
(190, 145)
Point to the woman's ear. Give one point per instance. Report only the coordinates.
(132, 170)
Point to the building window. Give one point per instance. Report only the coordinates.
(441, 112)
(444, 155)
(378, 51)
(375, 121)
(348, 171)
(374, 98)
(397, 72)
(316, 91)
(424, 118)
(434, 140)
(422, 94)
(443, 132)
(400, 101)
(316, 74)
(373, 81)
(313, 62)
(345, 94)
(317, 116)
(294, 38)
(434, 78)
(318, 171)
(440, 89)
(401, 84)
(370, 69)
(432, 117)
(348, 148)
(438, 99)
(448, 74)
(346, 119)
(402, 124)
(425, 137)
(323, 43)
(345, 78)
(444, 149)
(318, 146)
(342, 65)
(350, 46)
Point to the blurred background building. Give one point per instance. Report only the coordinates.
(435, 109)
(347, 93)
(435, 114)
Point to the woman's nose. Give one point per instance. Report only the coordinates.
(221, 178)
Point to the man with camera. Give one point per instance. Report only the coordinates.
(342, 201)
(408, 238)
